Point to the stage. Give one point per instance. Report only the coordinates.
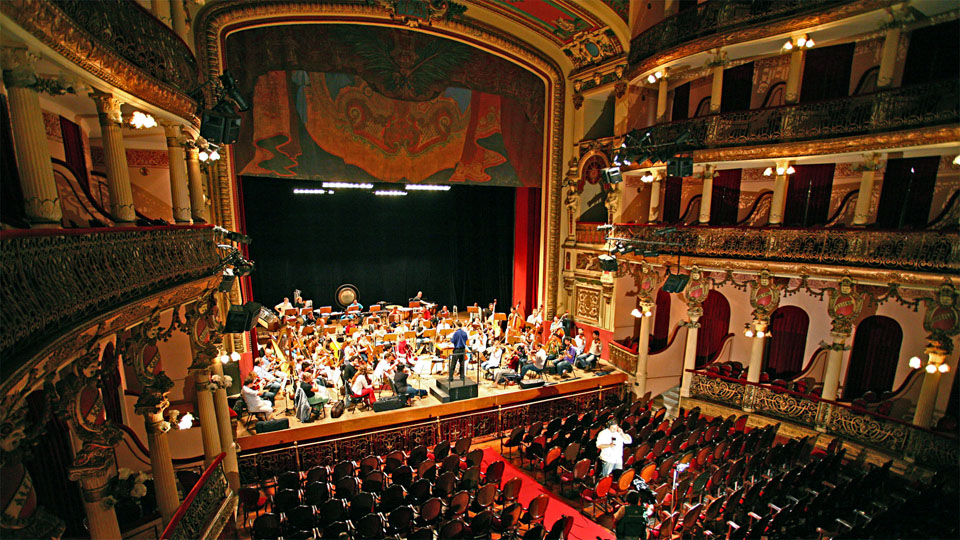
(428, 408)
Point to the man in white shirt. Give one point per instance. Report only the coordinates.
(610, 442)
(590, 359)
(283, 306)
(579, 341)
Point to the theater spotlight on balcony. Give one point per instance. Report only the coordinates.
(608, 263)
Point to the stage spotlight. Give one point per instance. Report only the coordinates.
(651, 253)
(346, 185)
(310, 191)
(230, 88)
(390, 193)
(608, 263)
(426, 187)
(611, 175)
(675, 283)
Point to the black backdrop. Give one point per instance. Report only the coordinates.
(455, 246)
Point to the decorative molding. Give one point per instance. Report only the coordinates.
(151, 159)
(592, 48)
(52, 26)
(51, 124)
(587, 304)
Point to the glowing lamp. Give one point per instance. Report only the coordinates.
(915, 362)
(931, 368)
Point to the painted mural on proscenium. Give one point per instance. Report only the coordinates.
(363, 104)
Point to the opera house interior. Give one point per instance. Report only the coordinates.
(689, 270)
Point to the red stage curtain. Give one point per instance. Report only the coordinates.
(725, 200)
(874, 358)
(526, 248)
(672, 193)
(808, 195)
(907, 192)
(661, 323)
(524, 143)
(73, 151)
(714, 325)
(826, 73)
(788, 325)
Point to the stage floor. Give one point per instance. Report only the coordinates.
(425, 408)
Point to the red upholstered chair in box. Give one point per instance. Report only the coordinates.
(597, 495)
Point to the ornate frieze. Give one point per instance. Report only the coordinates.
(588, 304)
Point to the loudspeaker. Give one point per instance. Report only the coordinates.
(266, 426)
(675, 283)
(212, 126)
(611, 175)
(682, 167)
(241, 318)
(231, 131)
(388, 403)
(608, 263)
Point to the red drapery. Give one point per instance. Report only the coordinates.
(826, 73)
(725, 200)
(110, 369)
(672, 193)
(874, 358)
(714, 325)
(907, 192)
(808, 195)
(788, 325)
(661, 323)
(526, 248)
(523, 142)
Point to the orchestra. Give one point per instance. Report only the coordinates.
(356, 355)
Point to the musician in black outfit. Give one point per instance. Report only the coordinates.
(404, 389)
(346, 375)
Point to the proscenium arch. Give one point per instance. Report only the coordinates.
(218, 20)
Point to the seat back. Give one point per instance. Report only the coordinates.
(317, 493)
(511, 489)
(369, 464)
(494, 472)
(419, 491)
(430, 510)
(603, 486)
(445, 484)
(582, 469)
(561, 528)
(344, 468)
(452, 529)
(401, 519)
(462, 446)
(486, 495)
(392, 497)
(459, 503)
(318, 473)
(470, 478)
(286, 499)
(402, 475)
(441, 450)
(538, 506)
(266, 527)
(481, 523)
(474, 457)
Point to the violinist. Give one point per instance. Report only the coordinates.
(362, 388)
(443, 313)
(256, 404)
(271, 383)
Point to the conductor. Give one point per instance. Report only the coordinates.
(457, 358)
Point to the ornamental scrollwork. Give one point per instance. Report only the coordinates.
(718, 390)
(844, 306)
(785, 405)
(865, 428)
(203, 326)
(942, 320)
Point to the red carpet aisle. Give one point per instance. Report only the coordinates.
(583, 528)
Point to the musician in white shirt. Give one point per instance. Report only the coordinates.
(283, 306)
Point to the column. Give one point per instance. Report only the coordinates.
(40, 199)
(179, 17)
(778, 200)
(643, 350)
(164, 480)
(690, 350)
(161, 10)
(793, 76)
(115, 157)
(888, 57)
(662, 100)
(227, 444)
(861, 213)
(101, 519)
(655, 197)
(179, 193)
(207, 414)
(831, 377)
(670, 8)
(198, 207)
(716, 88)
(706, 197)
(923, 415)
(753, 370)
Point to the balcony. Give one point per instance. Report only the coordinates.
(716, 17)
(922, 251)
(895, 109)
(889, 435)
(53, 280)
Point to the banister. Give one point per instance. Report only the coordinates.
(841, 210)
(673, 336)
(696, 199)
(753, 208)
(212, 474)
(810, 363)
(947, 208)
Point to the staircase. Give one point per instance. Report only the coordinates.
(671, 400)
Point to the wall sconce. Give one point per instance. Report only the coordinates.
(141, 120)
(768, 171)
(655, 76)
(186, 421)
(802, 42)
(931, 368)
(915, 362)
(780, 170)
(637, 313)
(749, 332)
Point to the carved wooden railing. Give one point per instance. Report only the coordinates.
(894, 109)
(137, 36)
(494, 422)
(206, 509)
(587, 233)
(930, 251)
(887, 434)
(55, 279)
(623, 358)
(714, 17)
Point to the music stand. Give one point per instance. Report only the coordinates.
(414, 305)
(499, 316)
(325, 310)
(375, 308)
(305, 311)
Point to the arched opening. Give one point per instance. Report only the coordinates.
(873, 360)
(661, 322)
(788, 324)
(868, 82)
(714, 325)
(776, 95)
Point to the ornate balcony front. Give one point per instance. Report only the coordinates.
(922, 251)
(117, 41)
(54, 280)
(895, 109)
(716, 17)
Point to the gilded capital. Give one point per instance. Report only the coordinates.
(108, 108)
(19, 67)
(172, 133)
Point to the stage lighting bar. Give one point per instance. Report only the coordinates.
(311, 191)
(346, 185)
(390, 193)
(426, 187)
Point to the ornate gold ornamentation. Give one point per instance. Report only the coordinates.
(117, 42)
(784, 405)
(202, 324)
(588, 304)
(622, 358)
(844, 306)
(942, 320)
(141, 352)
(869, 429)
(697, 288)
(718, 390)
(591, 48)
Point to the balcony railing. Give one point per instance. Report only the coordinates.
(52, 280)
(890, 435)
(587, 233)
(137, 36)
(888, 110)
(198, 516)
(714, 17)
(926, 251)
